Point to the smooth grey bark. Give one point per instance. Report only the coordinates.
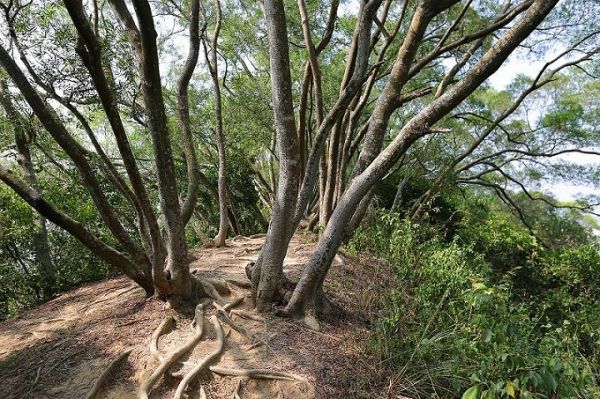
(268, 273)
(304, 298)
(308, 75)
(157, 267)
(107, 165)
(336, 141)
(390, 98)
(213, 67)
(90, 51)
(188, 148)
(41, 246)
(75, 151)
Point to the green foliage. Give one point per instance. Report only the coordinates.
(20, 281)
(461, 325)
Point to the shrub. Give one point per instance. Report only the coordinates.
(456, 327)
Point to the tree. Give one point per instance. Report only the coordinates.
(213, 67)
(268, 272)
(157, 258)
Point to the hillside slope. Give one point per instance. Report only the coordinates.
(59, 349)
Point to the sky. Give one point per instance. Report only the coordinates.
(562, 191)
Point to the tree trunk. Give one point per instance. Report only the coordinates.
(173, 278)
(189, 151)
(77, 230)
(357, 64)
(269, 269)
(219, 240)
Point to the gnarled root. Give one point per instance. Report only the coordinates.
(223, 315)
(202, 288)
(93, 392)
(247, 315)
(220, 285)
(236, 393)
(222, 312)
(207, 360)
(166, 324)
(284, 290)
(240, 283)
(266, 374)
(198, 324)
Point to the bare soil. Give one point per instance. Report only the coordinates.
(59, 349)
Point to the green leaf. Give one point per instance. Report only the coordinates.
(487, 336)
(472, 393)
(488, 394)
(549, 380)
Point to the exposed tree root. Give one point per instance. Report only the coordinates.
(198, 323)
(202, 288)
(220, 285)
(112, 367)
(236, 393)
(311, 321)
(207, 360)
(233, 303)
(240, 283)
(262, 235)
(166, 324)
(222, 312)
(223, 315)
(258, 374)
(247, 315)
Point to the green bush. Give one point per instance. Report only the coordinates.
(456, 326)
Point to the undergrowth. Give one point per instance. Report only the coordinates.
(463, 323)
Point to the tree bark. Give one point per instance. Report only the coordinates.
(213, 66)
(362, 39)
(91, 54)
(188, 148)
(75, 151)
(174, 277)
(269, 270)
(77, 230)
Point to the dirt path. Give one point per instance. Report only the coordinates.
(59, 349)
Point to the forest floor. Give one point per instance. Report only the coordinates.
(59, 349)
